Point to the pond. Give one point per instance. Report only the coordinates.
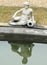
(16, 53)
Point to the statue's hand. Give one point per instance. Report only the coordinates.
(13, 17)
(32, 19)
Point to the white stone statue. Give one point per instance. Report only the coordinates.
(27, 17)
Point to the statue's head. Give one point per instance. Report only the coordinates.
(24, 61)
(26, 5)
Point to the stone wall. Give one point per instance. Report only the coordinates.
(36, 3)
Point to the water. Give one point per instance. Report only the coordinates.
(20, 54)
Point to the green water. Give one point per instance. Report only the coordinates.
(16, 53)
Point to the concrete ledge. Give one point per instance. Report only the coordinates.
(9, 33)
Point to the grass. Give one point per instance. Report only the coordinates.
(6, 14)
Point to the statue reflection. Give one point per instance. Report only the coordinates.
(23, 49)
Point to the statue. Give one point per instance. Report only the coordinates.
(27, 17)
(23, 49)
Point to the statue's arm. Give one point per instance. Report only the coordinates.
(17, 12)
(32, 15)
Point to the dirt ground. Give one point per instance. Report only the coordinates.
(6, 13)
(36, 3)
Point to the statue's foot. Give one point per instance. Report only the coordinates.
(11, 23)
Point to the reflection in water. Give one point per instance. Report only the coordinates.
(23, 49)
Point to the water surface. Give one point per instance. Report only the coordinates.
(20, 54)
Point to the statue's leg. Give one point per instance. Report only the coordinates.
(17, 18)
(17, 23)
(20, 23)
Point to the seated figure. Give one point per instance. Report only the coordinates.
(27, 17)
